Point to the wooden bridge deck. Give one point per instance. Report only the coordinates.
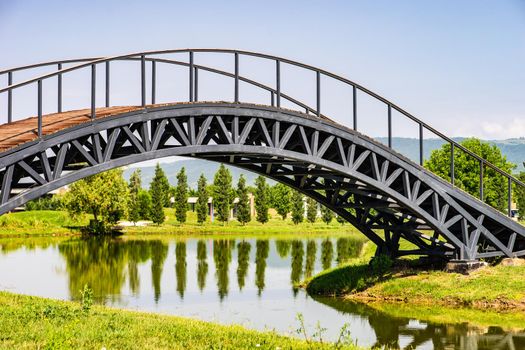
(25, 130)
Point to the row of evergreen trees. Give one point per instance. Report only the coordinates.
(148, 205)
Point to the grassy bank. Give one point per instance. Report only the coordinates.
(44, 222)
(32, 322)
(496, 287)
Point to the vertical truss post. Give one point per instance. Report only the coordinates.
(278, 81)
(509, 196)
(354, 106)
(272, 98)
(143, 80)
(389, 126)
(10, 98)
(59, 88)
(196, 92)
(93, 90)
(452, 180)
(481, 180)
(107, 83)
(153, 81)
(39, 108)
(420, 144)
(318, 75)
(191, 76)
(236, 97)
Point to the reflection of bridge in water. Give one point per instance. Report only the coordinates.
(367, 183)
(406, 333)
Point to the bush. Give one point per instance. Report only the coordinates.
(45, 203)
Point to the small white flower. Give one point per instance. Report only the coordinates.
(257, 345)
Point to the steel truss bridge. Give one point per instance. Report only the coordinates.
(382, 193)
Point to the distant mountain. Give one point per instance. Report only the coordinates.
(194, 168)
(513, 149)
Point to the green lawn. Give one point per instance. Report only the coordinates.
(37, 323)
(498, 287)
(46, 222)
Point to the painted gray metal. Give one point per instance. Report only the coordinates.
(386, 196)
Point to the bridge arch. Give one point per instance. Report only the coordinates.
(385, 195)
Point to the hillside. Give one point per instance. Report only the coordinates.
(513, 149)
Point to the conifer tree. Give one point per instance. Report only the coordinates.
(297, 207)
(134, 187)
(261, 199)
(181, 196)
(326, 214)
(340, 219)
(158, 189)
(222, 190)
(311, 210)
(202, 200)
(281, 199)
(243, 207)
(144, 200)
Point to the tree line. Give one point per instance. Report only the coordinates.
(109, 199)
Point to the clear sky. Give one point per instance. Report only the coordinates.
(458, 65)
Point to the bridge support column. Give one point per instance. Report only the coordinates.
(464, 266)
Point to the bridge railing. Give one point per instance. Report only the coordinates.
(275, 94)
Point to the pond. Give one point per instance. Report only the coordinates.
(247, 281)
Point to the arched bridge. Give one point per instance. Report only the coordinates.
(382, 193)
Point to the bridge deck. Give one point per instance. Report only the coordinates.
(25, 130)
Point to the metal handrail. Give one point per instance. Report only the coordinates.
(142, 56)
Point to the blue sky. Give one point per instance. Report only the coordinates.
(458, 65)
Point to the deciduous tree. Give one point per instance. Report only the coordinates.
(467, 170)
(104, 195)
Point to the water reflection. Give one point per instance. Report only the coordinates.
(243, 258)
(134, 272)
(405, 333)
(202, 265)
(180, 267)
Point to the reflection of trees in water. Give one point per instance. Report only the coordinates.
(297, 263)
(389, 330)
(243, 257)
(99, 263)
(137, 253)
(180, 267)
(348, 248)
(262, 248)
(311, 249)
(103, 264)
(8, 245)
(327, 253)
(159, 252)
(283, 247)
(222, 256)
(202, 264)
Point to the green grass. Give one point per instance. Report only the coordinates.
(490, 285)
(38, 222)
(499, 287)
(37, 323)
(58, 223)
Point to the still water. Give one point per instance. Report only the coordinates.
(245, 281)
